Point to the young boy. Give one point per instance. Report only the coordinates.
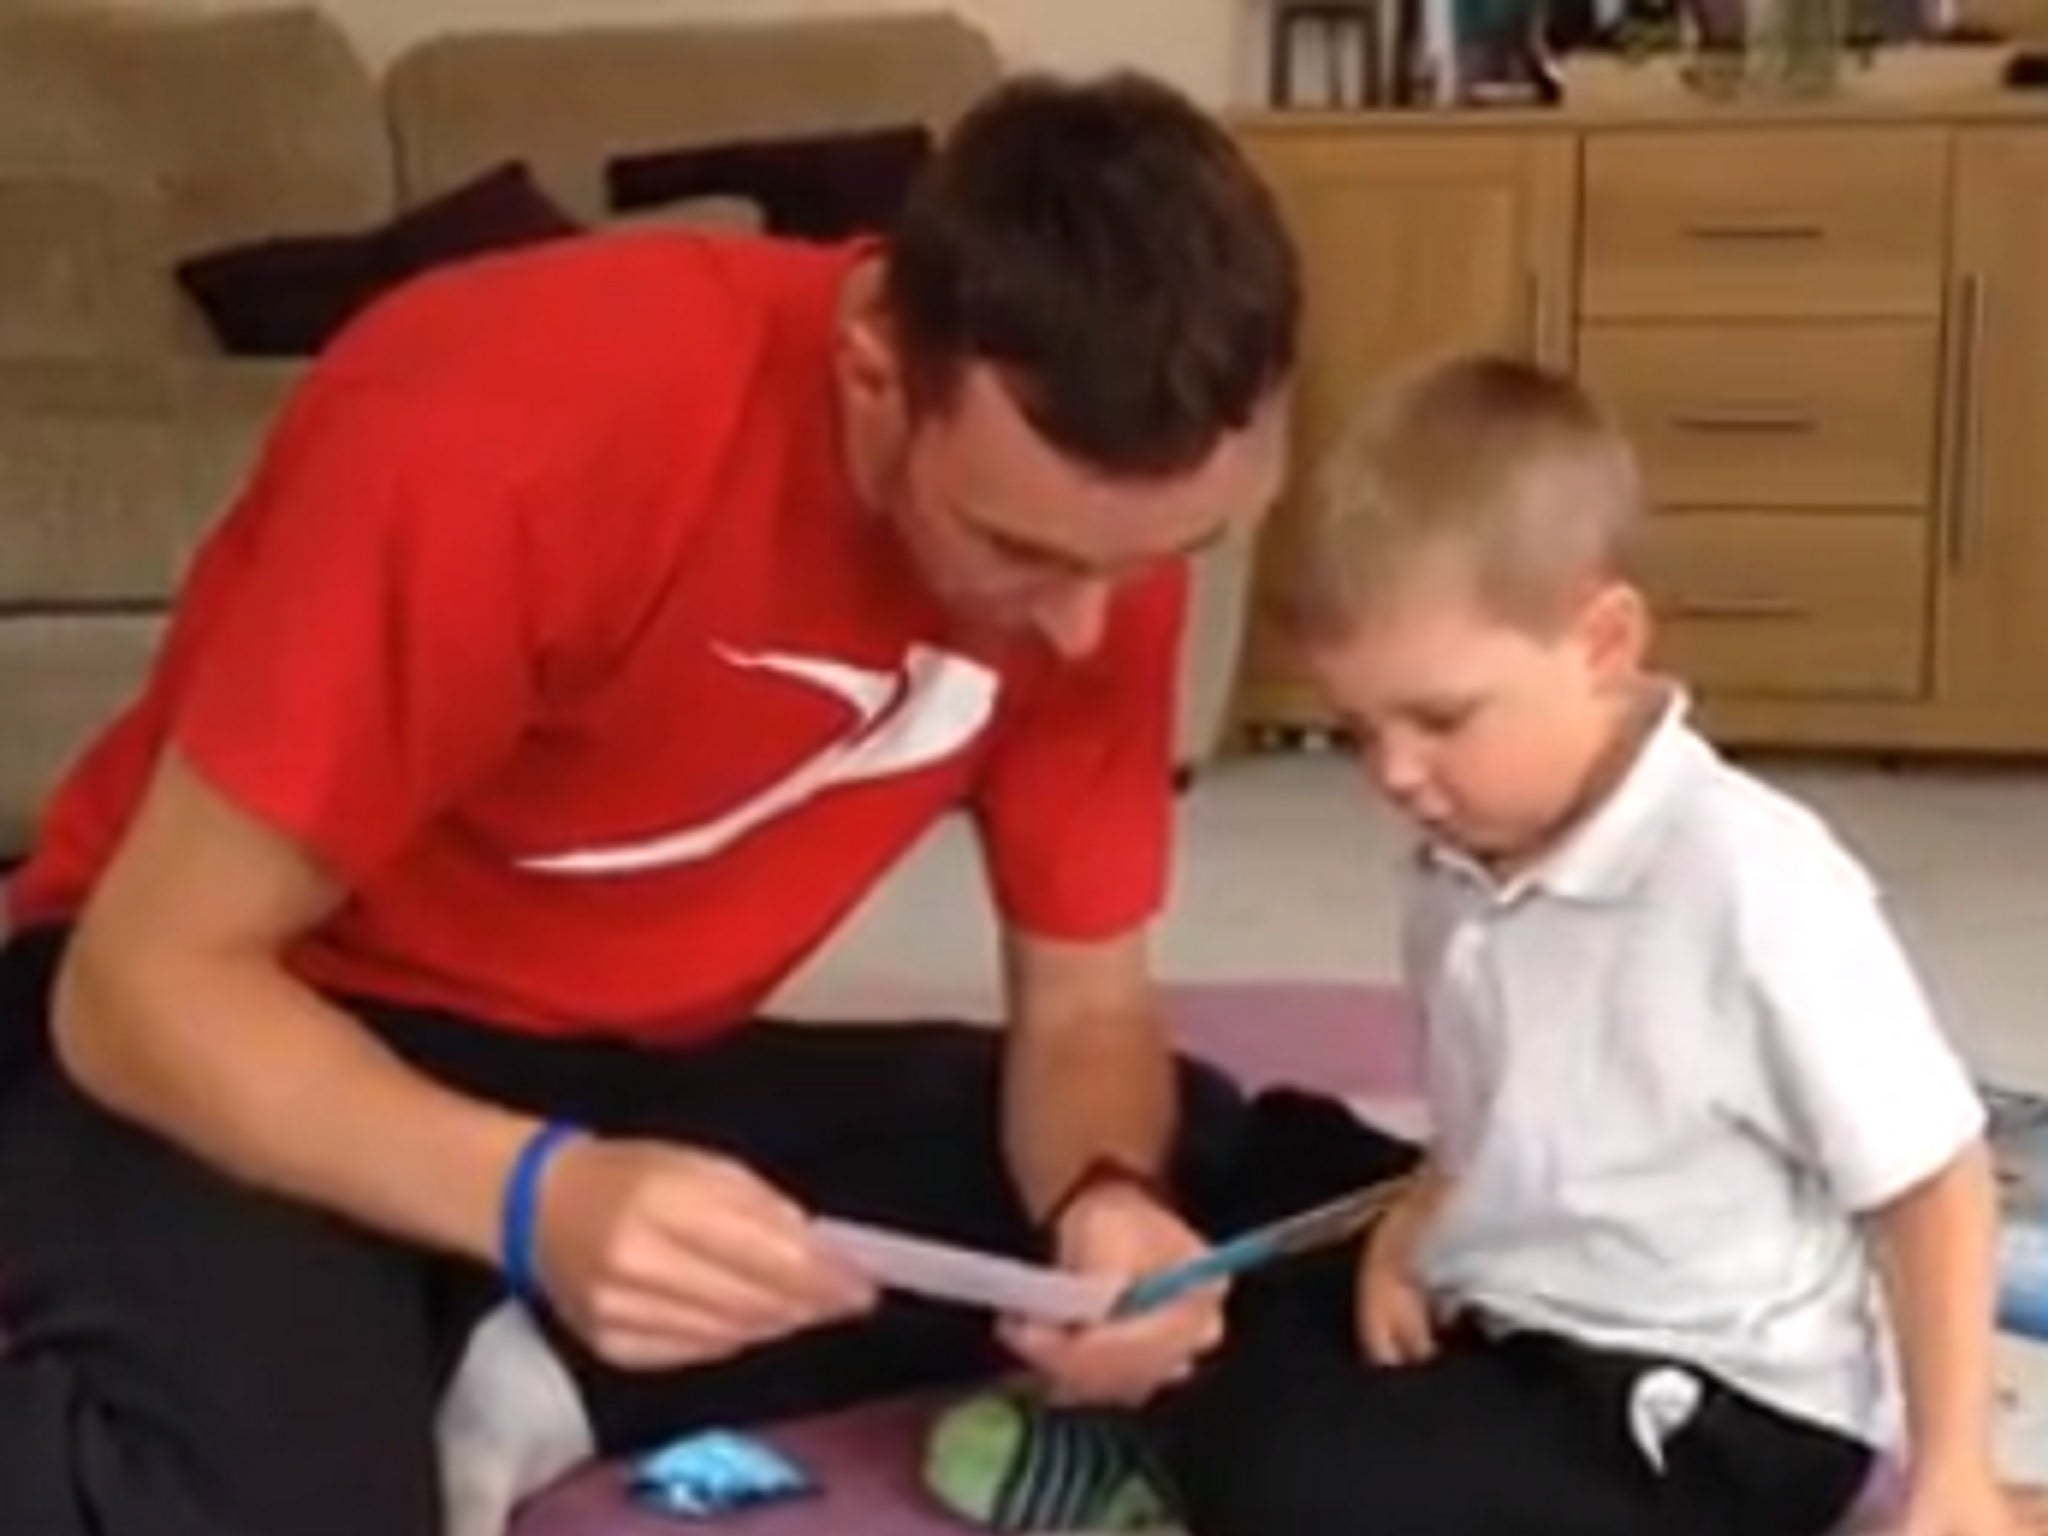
(1696, 1133)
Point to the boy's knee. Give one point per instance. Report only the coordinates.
(1244, 1462)
(1254, 1487)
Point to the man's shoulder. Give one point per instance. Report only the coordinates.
(579, 319)
(626, 360)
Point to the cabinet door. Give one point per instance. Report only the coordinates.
(1413, 243)
(1993, 545)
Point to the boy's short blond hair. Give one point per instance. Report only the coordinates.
(1485, 462)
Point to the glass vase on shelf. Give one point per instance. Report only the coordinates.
(1795, 47)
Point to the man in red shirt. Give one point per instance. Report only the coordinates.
(599, 626)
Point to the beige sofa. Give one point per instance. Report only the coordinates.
(129, 139)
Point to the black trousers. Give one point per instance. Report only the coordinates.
(1290, 1431)
(192, 1358)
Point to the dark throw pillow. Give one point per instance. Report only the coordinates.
(499, 211)
(289, 296)
(282, 297)
(825, 186)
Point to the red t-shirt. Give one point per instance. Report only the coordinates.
(550, 626)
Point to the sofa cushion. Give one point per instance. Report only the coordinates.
(812, 186)
(248, 124)
(288, 297)
(461, 103)
(67, 675)
(111, 471)
(78, 267)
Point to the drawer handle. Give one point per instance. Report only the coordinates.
(1747, 423)
(1759, 232)
(1749, 609)
(1965, 421)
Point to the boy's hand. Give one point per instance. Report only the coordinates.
(1962, 1501)
(1394, 1321)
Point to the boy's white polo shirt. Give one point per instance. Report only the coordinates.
(1665, 1067)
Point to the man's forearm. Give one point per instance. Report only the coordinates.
(1083, 1090)
(230, 1057)
(1938, 1245)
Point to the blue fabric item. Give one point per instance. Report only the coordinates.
(716, 1473)
(522, 1200)
(2019, 1148)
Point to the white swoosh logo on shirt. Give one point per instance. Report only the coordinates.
(941, 702)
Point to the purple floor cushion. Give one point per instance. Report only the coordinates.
(866, 1462)
(1336, 1038)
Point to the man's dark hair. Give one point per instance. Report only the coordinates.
(1107, 248)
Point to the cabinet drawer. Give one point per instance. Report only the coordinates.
(1764, 222)
(1819, 416)
(1789, 603)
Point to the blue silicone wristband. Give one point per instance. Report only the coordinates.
(522, 1204)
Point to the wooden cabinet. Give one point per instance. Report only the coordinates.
(1827, 334)
(1417, 244)
(1992, 659)
(1762, 308)
(1797, 223)
(1739, 413)
(1775, 603)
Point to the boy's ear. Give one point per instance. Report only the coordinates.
(1614, 630)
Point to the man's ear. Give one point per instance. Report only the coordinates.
(1614, 630)
(870, 362)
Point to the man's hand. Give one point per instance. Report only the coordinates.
(663, 1257)
(1118, 1230)
(1961, 1500)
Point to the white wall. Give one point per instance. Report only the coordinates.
(1195, 43)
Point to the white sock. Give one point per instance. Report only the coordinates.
(510, 1424)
